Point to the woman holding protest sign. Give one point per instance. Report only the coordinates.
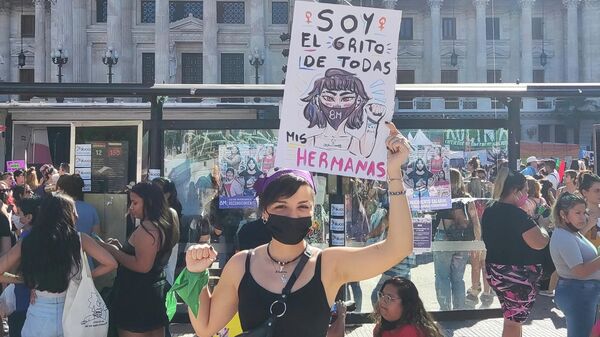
(258, 276)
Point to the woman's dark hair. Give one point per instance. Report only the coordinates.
(168, 186)
(72, 184)
(30, 206)
(564, 203)
(413, 310)
(18, 193)
(586, 180)
(156, 210)
(18, 173)
(51, 250)
(65, 167)
(230, 169)
(283, 187)
(507, 182)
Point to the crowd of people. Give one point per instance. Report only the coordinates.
(539, 227)
(44, 226)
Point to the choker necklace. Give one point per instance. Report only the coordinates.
(282, 264)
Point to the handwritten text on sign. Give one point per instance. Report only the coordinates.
(339, 90)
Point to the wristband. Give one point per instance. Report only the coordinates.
(188, 287)
(393, 193)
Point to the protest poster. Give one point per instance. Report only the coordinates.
(241, 165)
(13, 165)
(422, 230)
(340, 89)
(427, 178)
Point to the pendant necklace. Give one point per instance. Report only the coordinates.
(281, 264)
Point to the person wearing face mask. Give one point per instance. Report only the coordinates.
(252, 282)
(27, 211)
(514, 242)
(577, 264)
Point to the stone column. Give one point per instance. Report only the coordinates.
(161, 41)
(5, 60)
(526, 51)
(480, 41)
(436, 69)
(114, 34)
(80, 50)
(40, 41)
(127, 51)
(591, 44)
(572, 54)
(257, 40)
(55, 35)
(67, 38)
(210, 62)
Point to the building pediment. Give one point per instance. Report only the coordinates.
(187, 24)
(410, 50)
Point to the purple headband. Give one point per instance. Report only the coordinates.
(261, 184)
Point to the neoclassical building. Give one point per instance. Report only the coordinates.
(211, 41)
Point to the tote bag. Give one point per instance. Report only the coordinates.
(85, 312)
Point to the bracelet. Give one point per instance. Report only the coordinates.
(392, 193)
(389, 180)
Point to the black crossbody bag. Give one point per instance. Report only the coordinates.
(267, 328)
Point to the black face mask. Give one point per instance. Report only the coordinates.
(289, 231)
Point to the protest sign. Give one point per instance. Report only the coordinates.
(13, 165)
(241, 165)
(427, 178)
(339, 90)
(422, 228)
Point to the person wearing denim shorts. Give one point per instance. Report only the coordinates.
(577, 264)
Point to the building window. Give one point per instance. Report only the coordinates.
(406, 29)
(449, 76)
(492, 28)
(148, 11)
(26, 76)
(405, 77)
(538, 76)
(560, 134)
(544, 133)
(232, 72)
(148, 68)
(27, 25)
(365, 3)
(191, 68)
(182, 9)
(537, 28)
(231, 12)
(494, 76)
(101, 11)
(279, 12)
(448, 28)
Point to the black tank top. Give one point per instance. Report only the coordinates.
(307, 308)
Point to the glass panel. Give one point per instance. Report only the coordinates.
(448, 28)
(406, 29)
(537, 28)
(182, 9)
(233, 12)
(212, 172)
(28, 25)
(279, 13)
(492, 28)
(147, 67)
(149, 12)
(102, 11)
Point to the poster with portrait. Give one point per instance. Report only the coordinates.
(427, 178)
(241, 165)
(339, 90)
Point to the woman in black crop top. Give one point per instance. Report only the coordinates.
(252, 280)
(139, 291)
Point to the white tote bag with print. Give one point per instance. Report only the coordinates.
(85, 312)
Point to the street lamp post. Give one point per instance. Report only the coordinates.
(256, 60)
(60, 58)
(110, 58)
